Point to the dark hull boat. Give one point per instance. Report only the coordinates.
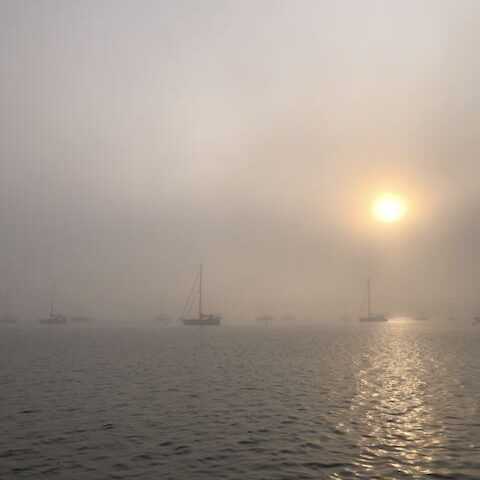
(204, 320)
(201, 319)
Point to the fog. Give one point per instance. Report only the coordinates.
(140, 138)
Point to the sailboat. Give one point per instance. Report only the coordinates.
(54, 318)
(201, 319)
(7, 317)
(372, 317)
(420, 317)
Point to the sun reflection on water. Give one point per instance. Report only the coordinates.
(395, 426)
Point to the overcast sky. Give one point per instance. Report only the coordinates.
(138, 138)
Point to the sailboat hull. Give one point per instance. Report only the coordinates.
(204, 321)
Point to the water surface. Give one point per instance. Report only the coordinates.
(400, 400)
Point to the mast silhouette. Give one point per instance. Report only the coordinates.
(203, 319)
(53, 318)
(372, 317)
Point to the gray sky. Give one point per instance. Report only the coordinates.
(138, 138)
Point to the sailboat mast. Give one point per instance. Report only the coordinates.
(200, 292)
(52, 300)
(368, 296)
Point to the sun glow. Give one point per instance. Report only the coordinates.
(388, 208)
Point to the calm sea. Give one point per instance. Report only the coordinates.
(400, 400)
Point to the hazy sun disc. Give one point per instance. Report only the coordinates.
(388, 208)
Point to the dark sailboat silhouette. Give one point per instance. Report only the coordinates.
(372, 317)
(202, 319)
(54, 318)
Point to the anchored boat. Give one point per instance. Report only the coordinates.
(372, 317)
(54, 318)
(201, 319)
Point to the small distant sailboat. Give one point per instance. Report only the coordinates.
(202, 319)
(420, 317)
(372, 317)
(162, 319)
(7, 317)
(54, 318)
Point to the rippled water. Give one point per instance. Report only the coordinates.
(400, 400)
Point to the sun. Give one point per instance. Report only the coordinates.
(388, 208)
